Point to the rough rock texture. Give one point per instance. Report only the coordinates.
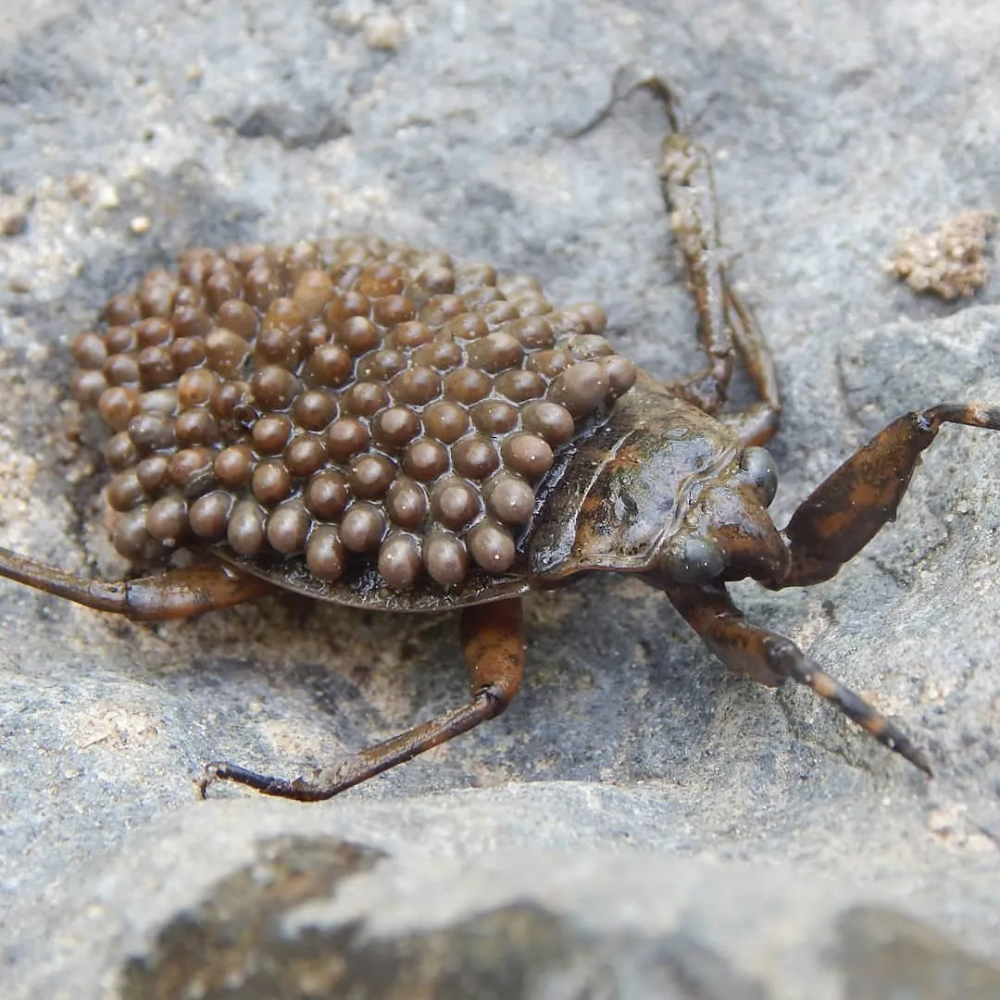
(637, 817)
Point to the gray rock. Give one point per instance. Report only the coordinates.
(637, 817)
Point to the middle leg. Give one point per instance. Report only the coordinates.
(771, 659)
(493, 647)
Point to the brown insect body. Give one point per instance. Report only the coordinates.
(373, 425)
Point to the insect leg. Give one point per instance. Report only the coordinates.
(492, 638)
(689, 194)
(177, 593)
(770, 658)
(758, 423)
(725, 325)
(724, 321)
(845, 512)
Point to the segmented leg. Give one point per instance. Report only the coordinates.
(493, 648)
(177, 593)
(686, 178)
(758, 423)
(770, 658)
(844, 513)
(725, 325)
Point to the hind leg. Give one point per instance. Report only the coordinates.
(726, 327)
(177, 593)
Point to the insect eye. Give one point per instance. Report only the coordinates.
(761, 472)
(693, 560)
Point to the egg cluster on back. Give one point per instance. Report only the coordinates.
(345, 399)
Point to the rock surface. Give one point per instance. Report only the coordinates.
(638, 820)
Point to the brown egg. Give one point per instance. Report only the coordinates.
(271, 434)
(195, 427)
(118, 406)
(446, 558)
(345, 437)
(441, 308)
(195, 388)
(120, 452)
(133, 541)
(454, 502)
(88, 350)
(152, 473)
(532, 333)
(527, 454)
(495, 352)
(271, 481)
(582, 388)
(225, 352)
(475, 457)
(188, 353)
(234, 465)
(362, 527)
(394, 426)
(314, 409)
(621, 373)
(446, 421)
(122, 310)
(209, 514)
(509, 498)
(87, 385)
(416, 386)
(167, 519)
(305, 455)
(492, 546)
(370, 476)
(399, 561)
(331, 365)
(192, 470)
(520, 385)
(125, 491)
(287, 528)
(274, 387)
(327, 495)
(493, 416)
(442, 355)
(467, 385)
(425, 459)
(245, 531)
(550, 421)
(406, 503)
(325, 553)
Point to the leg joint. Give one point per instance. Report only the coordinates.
(497, 697)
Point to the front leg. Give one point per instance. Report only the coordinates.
(845, 512)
